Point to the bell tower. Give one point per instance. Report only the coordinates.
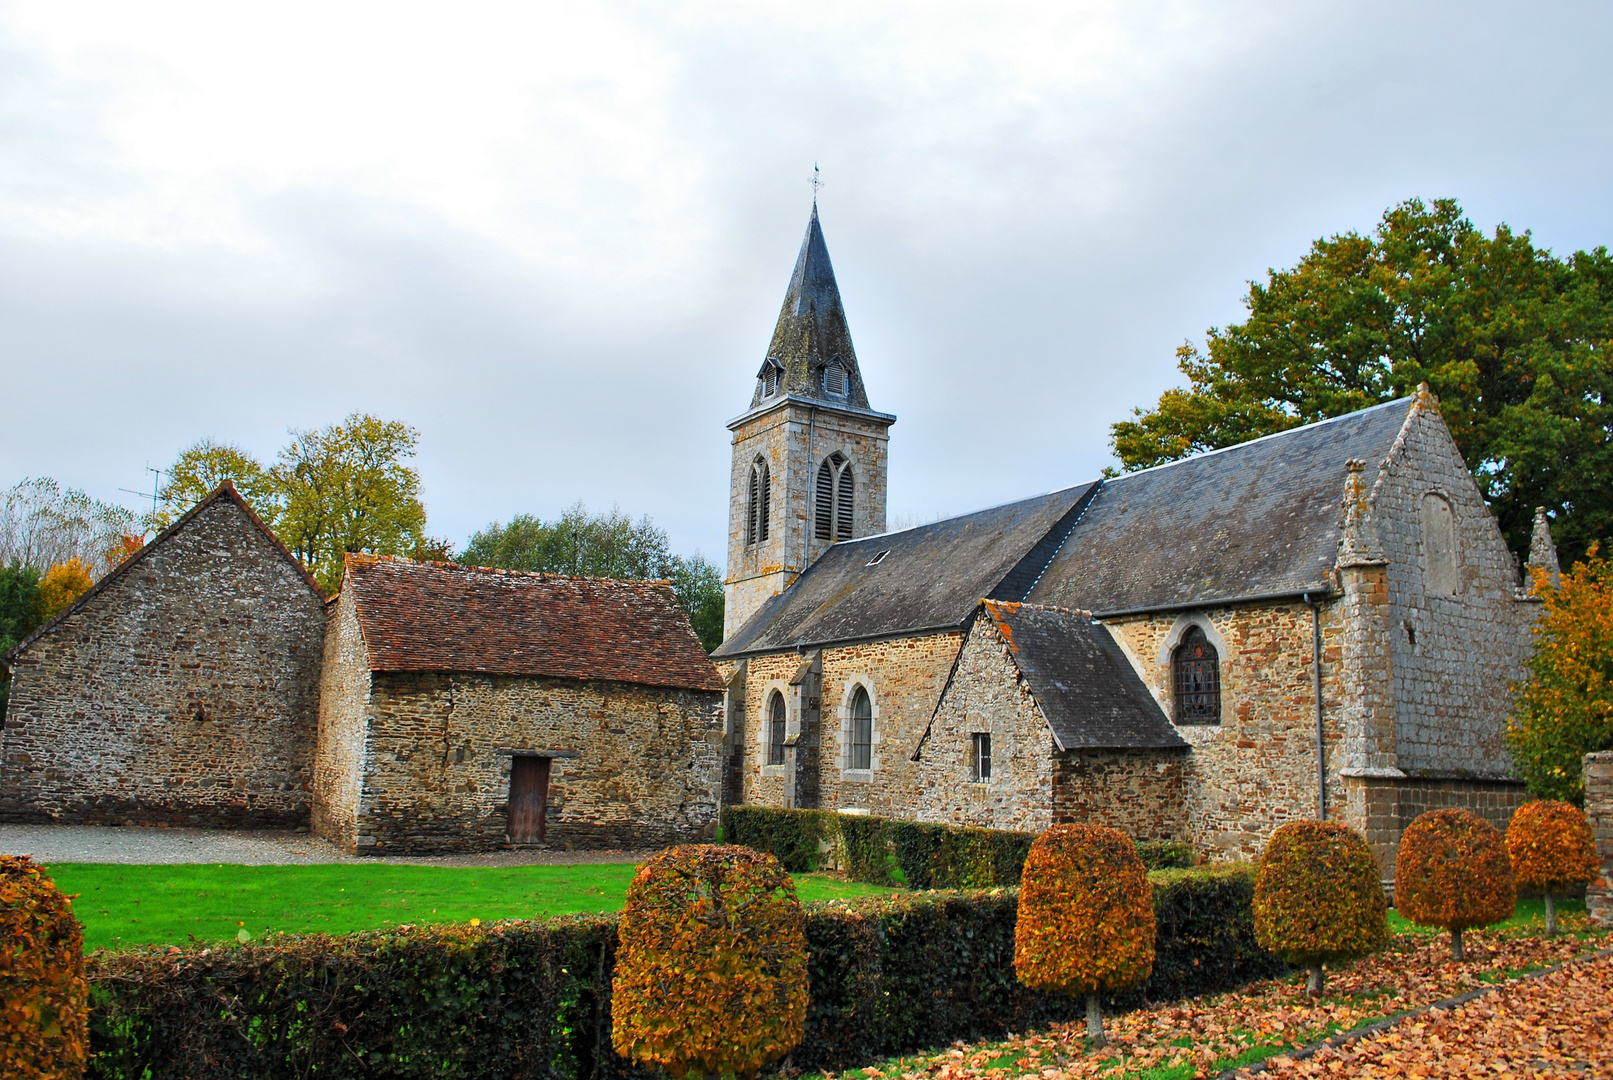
(809, 452)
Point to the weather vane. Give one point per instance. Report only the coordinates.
(817, 183)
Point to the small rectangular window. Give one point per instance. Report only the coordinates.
(980, 757)
(877, 559)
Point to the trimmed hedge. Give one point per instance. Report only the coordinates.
(884, 851)
(532, 999)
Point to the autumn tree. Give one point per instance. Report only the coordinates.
(1514, 341)
(609, 545)
(43, 524)
(201, 468)
(1563, 710)
(1319, 898)
(61, 585)
(1553, 849)
(1453, 871)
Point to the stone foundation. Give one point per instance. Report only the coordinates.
(1382, 807)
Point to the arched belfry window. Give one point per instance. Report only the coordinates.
(1196, 679)
(775, 729)
(758, 502)
(832, 517)
(862, 731)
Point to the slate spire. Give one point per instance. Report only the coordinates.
(811, 354)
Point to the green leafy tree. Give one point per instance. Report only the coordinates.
(1514, 341)
(609, 545)
(346, 488)
(202, 468)
(19, 614)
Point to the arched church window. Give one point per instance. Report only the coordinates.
(775, 732)
(1196, 679)
(834, 380)
(862, 730)
(758, 502)
(1439, 547)
(836, 499)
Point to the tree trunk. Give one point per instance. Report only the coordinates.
(1095, 1020)
(1551, 917)
(1313, 985)
(1456, 945)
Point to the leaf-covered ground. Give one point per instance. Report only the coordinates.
(1203, 1036)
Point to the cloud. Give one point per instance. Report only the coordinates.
(554, 237)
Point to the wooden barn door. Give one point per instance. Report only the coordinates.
(529, 794)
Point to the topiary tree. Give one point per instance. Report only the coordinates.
(44, 998)
(1453, 872)
(1552, 849)
(1086, 917)
(711, 965)
(1318, 897)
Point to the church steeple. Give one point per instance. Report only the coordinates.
(809, 453)
(811, 353)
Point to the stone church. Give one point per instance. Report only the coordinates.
(1323, 621)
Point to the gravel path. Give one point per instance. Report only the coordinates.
(135, 844)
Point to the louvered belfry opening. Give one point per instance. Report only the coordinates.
(836, 499)
(760, 500)
(1196, 679)
(775, 741)
(834, 380)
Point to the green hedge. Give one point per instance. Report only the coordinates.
(532, 999)
(887, 852)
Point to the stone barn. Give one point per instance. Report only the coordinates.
(181, 689)
(467, 708)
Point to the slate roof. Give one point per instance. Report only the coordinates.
(431, 616)
(933, 577)
(226, 492)
(812, 329)
(1254, 520)
(1086, 688)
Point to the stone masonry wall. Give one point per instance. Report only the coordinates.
(794, 440)
(903, 676)
(1256, 769)
(1381, 808)
(1454, 655)
(1142, 793)
(986, 694)
(184, 692)
(1599, 808)
(344, 721)
(634, 766)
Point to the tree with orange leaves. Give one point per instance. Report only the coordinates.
(1564, 710)
(1553, 849)
(61, 585)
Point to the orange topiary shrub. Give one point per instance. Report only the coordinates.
(44, 998)
(711, 969)
(1086, 916)
(1318, 897)
(1453, 872)
(1552, 849)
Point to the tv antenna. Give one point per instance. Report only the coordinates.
(156, 487)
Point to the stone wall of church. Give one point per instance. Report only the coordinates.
(1460, 633)
(1142, 793)
(903, 677)
(1599, 808)
(1256, 769)
(632, 766)
(183, 692)
(987, 695)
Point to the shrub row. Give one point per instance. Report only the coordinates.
(883, 851)
(532, 999)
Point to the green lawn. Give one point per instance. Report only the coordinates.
(122, 906)
(1529, 914)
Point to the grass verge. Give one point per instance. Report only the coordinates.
(122, 906)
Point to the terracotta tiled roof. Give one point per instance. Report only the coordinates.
(433, 616)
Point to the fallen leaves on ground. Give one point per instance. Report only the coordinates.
(1560, 1024)
(1199, 1036)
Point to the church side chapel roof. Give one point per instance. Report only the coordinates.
(932, 577)
(1083, 683)
(1260, 519)
(812, 333)
(430, 616)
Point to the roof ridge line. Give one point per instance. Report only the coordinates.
(540, 575)
(970, 513)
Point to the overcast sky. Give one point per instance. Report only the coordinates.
(554, 238)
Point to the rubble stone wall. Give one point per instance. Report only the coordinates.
(1142, 793)
(344, 722)
(1599, 808)
(184, 692)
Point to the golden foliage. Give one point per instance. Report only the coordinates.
(61, 585)
(711, 969)
(1453, 871)
(1551, 846)
(44, 998)
(1086, 913)
(1319, 898)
